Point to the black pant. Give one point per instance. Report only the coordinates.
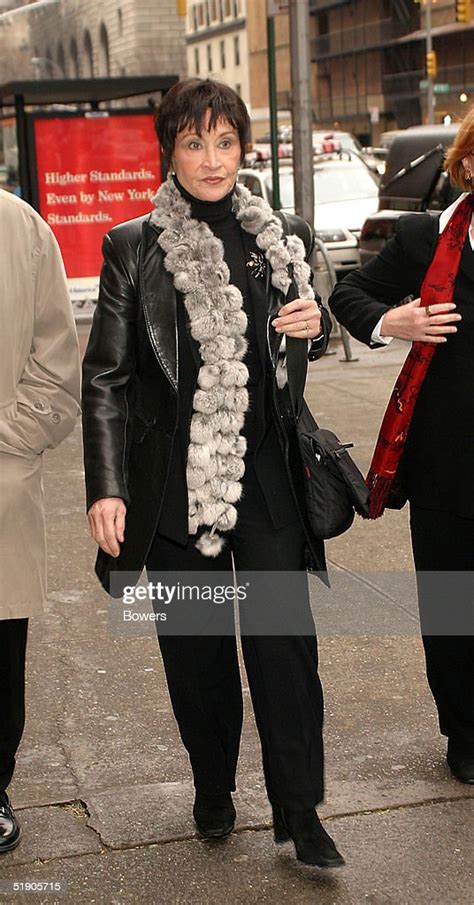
(443, 550)
(13, 634)
(203, 671)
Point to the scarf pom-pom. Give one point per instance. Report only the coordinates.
(210, 544)
(281, 374)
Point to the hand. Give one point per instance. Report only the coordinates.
(300, 318)
(107, 523)
(414, 323)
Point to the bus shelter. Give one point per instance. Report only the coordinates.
(84, 161)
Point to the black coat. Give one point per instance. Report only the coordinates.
(437, 463)
(131, 389)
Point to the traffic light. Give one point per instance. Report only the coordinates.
(463, 10)
(182, 7)
(431, 64)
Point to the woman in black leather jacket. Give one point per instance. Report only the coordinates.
(191, 457)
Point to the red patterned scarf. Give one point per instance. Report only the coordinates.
(438, 286)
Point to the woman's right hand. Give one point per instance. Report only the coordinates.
(412, 322)
(107, 523)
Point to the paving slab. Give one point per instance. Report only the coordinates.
(52, 833)
(160, 812)
(390, 861)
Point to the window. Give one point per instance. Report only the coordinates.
(238, 89)
(104, 53)
(200, 12)
(228, 8)
(49, 65)
(221, 10)
(209, 58)
(195, 18)
(74, 58)
(206, 12)
(222, 51)
(237, 50)
(214, 10)
(196, 60)
(89, 56)
(323, 23)
(120, 21)
(61, 59)
(236, 8)
(348, 183)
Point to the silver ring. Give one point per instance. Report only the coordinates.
(428, 311)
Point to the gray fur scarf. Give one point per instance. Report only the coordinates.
(195, 258)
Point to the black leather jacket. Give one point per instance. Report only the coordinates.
(130, 388)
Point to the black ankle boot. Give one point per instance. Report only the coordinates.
(461, 761)
(313, 844)
(280, 832)
(214, 814)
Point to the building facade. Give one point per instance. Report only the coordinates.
(258, 67)
(369, 60)
(14, 42)
(217, 42)
(84, 38)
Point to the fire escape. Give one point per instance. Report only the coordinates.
(400, 60)
(403, 67)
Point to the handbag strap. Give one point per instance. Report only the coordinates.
(297, 364)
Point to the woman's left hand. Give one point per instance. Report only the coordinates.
(300, 318)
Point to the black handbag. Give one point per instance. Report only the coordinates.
(334, 487)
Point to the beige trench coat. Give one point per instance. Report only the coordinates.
(39, 393)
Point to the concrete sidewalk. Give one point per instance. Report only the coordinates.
(103, 784)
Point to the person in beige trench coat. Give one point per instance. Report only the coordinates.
(39, 393)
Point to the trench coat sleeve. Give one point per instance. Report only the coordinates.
(108, 365)
(48, 392)
(363, 296)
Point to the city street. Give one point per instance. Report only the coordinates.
(103, 787)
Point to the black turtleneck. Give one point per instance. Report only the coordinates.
(211, 212)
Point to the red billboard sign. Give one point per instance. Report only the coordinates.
(92, 172)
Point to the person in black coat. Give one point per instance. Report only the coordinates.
(191, 455)
(432, 257)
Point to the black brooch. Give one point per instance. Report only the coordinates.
(257, 264)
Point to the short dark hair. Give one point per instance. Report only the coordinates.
(185, 106)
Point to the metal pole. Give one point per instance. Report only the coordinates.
(302, 110)
(272, 100)
(430, 98)
(23, 150)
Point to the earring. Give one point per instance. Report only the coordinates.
(467, 175)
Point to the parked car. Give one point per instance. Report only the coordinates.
(345, 193)
(262, 147)
(324, 142)
(414, 181)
